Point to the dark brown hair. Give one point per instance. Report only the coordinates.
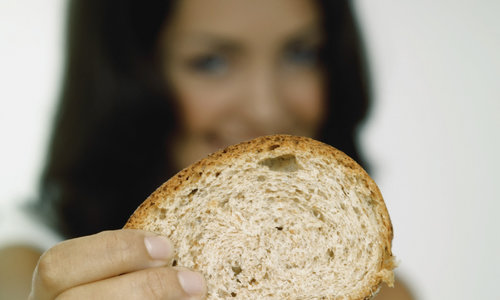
(108, 149)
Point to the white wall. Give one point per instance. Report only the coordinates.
(432, 137)
(30, 64)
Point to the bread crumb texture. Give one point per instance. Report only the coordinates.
(277, 217)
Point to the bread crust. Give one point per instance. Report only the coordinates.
(216, 162)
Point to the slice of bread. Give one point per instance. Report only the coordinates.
(277, 217)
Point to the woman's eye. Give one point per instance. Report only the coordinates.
(302, 56)
(209, 64)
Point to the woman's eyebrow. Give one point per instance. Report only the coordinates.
(214, 42)
(312, 32)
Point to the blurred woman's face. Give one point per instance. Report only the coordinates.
(240, 69)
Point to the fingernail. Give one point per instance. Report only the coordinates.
(191, 282)
(158, 247)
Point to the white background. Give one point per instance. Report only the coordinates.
(432, 137)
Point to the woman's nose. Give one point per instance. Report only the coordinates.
(263, 104)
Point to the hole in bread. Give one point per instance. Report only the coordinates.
(233, 294)
(236, 269)
(356, 210)
(282, 163)
(279, 228)
(174, 263)
(318, 214)
(163, 214)
(343, 190)
(261, 178)
(223, 202)
(331, 253)
(193, 192)
(272, 147)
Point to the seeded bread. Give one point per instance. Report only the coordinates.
(277, 217)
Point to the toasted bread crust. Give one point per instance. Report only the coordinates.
(218, 161)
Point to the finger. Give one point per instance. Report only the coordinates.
(153, 283)
(96, 257)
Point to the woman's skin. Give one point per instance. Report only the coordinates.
(238, 69)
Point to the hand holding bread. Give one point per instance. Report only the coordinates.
(121, 264)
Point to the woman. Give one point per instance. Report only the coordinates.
(150, 88)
